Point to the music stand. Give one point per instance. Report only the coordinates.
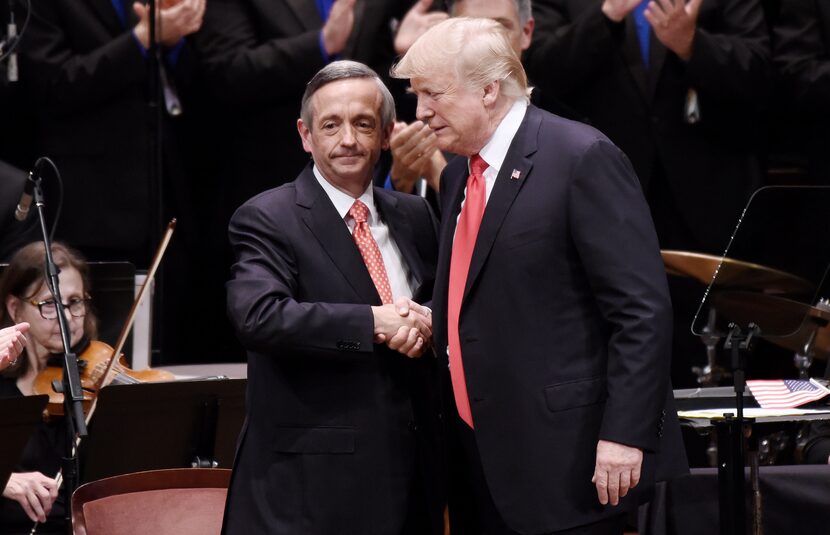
(19, 417)
(150, 426)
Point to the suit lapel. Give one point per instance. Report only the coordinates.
(402, 232)
(328, 227)
(504, 191)
(107, 14)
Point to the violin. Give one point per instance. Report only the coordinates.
(96, 357)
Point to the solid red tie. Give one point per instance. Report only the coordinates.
(369, 251)
(462, 251)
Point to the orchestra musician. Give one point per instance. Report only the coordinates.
(31, 493)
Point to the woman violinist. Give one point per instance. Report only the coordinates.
(30, 495)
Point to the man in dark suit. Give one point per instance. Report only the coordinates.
(679, 86)
(87, 66)
(551, 306)
(340, 432)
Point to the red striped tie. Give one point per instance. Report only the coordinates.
(462, 251)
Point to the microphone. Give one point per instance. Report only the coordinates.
(25, 203)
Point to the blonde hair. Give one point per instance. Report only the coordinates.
(479, 50)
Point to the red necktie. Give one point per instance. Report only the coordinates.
(369, 251)
(462, 251)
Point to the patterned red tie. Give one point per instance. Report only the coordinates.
(369, 251)
(462, 251)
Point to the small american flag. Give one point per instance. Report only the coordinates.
(785, 393)
(516, 174)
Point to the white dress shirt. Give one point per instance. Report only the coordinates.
(495, 150)
(398, 273)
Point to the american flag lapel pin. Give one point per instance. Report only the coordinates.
(516, 174)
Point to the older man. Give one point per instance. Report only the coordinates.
(414, 147)
(550, 300)
(339, 425)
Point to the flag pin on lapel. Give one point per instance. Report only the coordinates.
(516, 174)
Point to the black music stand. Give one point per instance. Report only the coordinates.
(19, 417)
(177, 424)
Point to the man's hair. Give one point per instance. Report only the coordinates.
(523, 7)
(479, 50)
(346, 70)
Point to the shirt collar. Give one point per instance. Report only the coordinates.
(496, 148)
(343, 201)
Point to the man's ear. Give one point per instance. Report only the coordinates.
(527, 34)
(305, 135)
(492, 91)
(387, 135)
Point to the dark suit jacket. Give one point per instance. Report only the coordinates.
(258, 57)
(90, 82)
(565, 325)
(710, 167)
(329, 444)
(802, 60)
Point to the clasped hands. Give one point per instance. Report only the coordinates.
(175, 19)
(404, 326)
(673, 21)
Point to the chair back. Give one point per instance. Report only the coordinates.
(180, 501)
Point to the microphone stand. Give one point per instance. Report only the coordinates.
(731, 437)
(71, 386)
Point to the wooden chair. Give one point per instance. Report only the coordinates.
(180, 501)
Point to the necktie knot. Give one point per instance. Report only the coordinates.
(478, 166)
(359, 212)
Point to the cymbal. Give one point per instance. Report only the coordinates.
(733, 273)
(784, 322)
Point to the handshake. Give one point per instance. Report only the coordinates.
(404, 326)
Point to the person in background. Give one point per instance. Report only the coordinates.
(31, 494)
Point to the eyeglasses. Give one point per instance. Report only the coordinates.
(49, 310)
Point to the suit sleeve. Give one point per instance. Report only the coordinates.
(241, 68)
(732, 62)
(617, 245)
(801, 56)
(262, 302)
(67, 81)
(568, 50)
